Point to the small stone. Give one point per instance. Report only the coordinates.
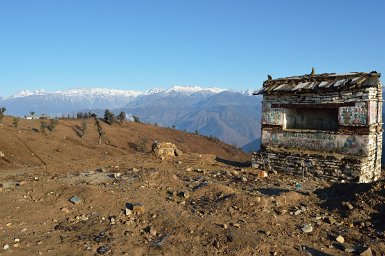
(340, 239)
(17, 240)
(105, 249)
(6, 247)
(330, 220)
(348, 247)
(75, 200)
(244, 179)
(262, 174)
(236, 225)
(184, 194)
(117, 175)
(136, 208)
(128, 212)
(307, 228)
(153, 232)
(348, 205)
(297, 212)
(258, 199)
(366, 252)
(2, 154)
(16, 245)
(224, 225)
(65, 209)
(135, 169)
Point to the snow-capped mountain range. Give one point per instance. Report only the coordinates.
(226, 114)
(106, 92)
(80, 92)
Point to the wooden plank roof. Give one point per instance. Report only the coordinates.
(320, 82)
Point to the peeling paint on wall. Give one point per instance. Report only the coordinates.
(338, 143)
(271, 116)
(354, 116)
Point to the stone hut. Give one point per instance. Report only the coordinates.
(326, 125)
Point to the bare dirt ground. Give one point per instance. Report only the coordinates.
(208, 201)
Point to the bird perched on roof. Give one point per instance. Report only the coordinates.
(312, 71)
(269, 77)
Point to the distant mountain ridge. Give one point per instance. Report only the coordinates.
(228, 115)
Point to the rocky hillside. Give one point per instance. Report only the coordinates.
(27, 146)
(62, 194)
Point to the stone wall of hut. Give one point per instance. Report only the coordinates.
(349, 148)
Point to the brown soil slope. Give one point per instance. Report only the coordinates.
(133, 203)
(26, 146)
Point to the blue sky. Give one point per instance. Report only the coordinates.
(138, 45)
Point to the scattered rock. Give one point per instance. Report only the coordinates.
(236, 225)
(297, 212)
(366, 252)
(75, 200)
(65, 209)
(348, 205)
(105, 249)
(152, 231)
(184, 194)
(128, 212)
(262, 174)
(224, 225)
(136, 208)
(112, 220)
(330, 220)
(348, 247)
(2, 154)
(307, 228)
(6, 247)
(340, 239)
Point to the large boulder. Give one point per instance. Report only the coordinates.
(165, 150)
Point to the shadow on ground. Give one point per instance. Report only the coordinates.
(333, 196)
(272, 191)
(367, 201)
(233, 163)
(314, 252)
